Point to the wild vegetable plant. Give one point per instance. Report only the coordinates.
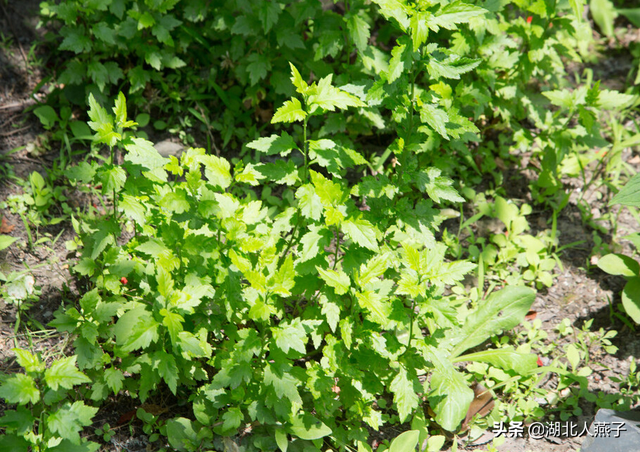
(297, 321)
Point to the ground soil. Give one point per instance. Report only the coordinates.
(580, 292)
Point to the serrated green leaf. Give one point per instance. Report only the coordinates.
(282, 382)
(120, 109)
(309, 202)
(30, 363)
(69, 420)
(298, 82)
(64, 374)
(361, 232)
(275, 144)
(404, 395)
(290, 335)
(328, 97)
(450, 395)
(291, 111)
(436, 118)
(339, 280)
(454, 13)
(167, 369)
(113, 378)
(359, 31)
(20, 389)
(217, 170)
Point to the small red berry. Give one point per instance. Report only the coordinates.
(529, 19)
(540, 363)
(124, 281)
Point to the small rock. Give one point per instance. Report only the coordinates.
(168, 148)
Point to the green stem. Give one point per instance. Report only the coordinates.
(305, 152)
(335, 257)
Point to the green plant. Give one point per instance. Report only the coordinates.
(44, 419)
(318, 282)
(619, 264)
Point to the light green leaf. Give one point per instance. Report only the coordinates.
(361, 232)
(309, 202)
(506, 358)
(113, 378)
(329, 97)
(20, 389)
(454, 13)
(275, 144)
(405, 442)
(308, 427)
(404, 395)
(30, 363)
(70, 419)
(436, 118)
(291, 111)
(281, 439)
(120, 109)
(217, 170)
(232, 418)
(619, 264)
(298, 82)
(630, 193)
(339, 280)
(283, 383)
(290, 335)
(359, 31)
(502, 310)
(63, 373)
(604, 14)
(631, 299)
(450, 396)
(6, 241)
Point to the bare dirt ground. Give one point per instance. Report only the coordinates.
(580, 292)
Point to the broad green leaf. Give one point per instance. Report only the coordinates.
(329, 97)
(632, 14)
(19, 421)
(604, 14)
(404, 395)
(437, 186)
(339, 280)
(258, 67)
(631, 299)
(20, 389)
(436, 118)
(453, 67)
(133, 208)
(281, 439)
(619, 264)
(454, 13)
(290, 335)
(282, 381)
(361, 232)
(112, 178)
(47, 116)
(64, 374)
(30, 363)
(181, 434)
(217, 170)
(578, 9)
(167, 369)
(69, 420)
(75, 40)
(14, 443)
(331, 311)
(397, 63)
(120, 110)
(232, 418)
(298, 82)
(506, 358)
(291, 111)
(309, 202)
(374, 304)
(395, 9)
(630, 193)
(275, 144)
(359, 31)
(141, 152)
(405, 442)
(450, 395)
(308, 427)
(113, 378)
(6, 241)
(613, 100)
(502, 310)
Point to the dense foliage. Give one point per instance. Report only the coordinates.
(292, 282)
